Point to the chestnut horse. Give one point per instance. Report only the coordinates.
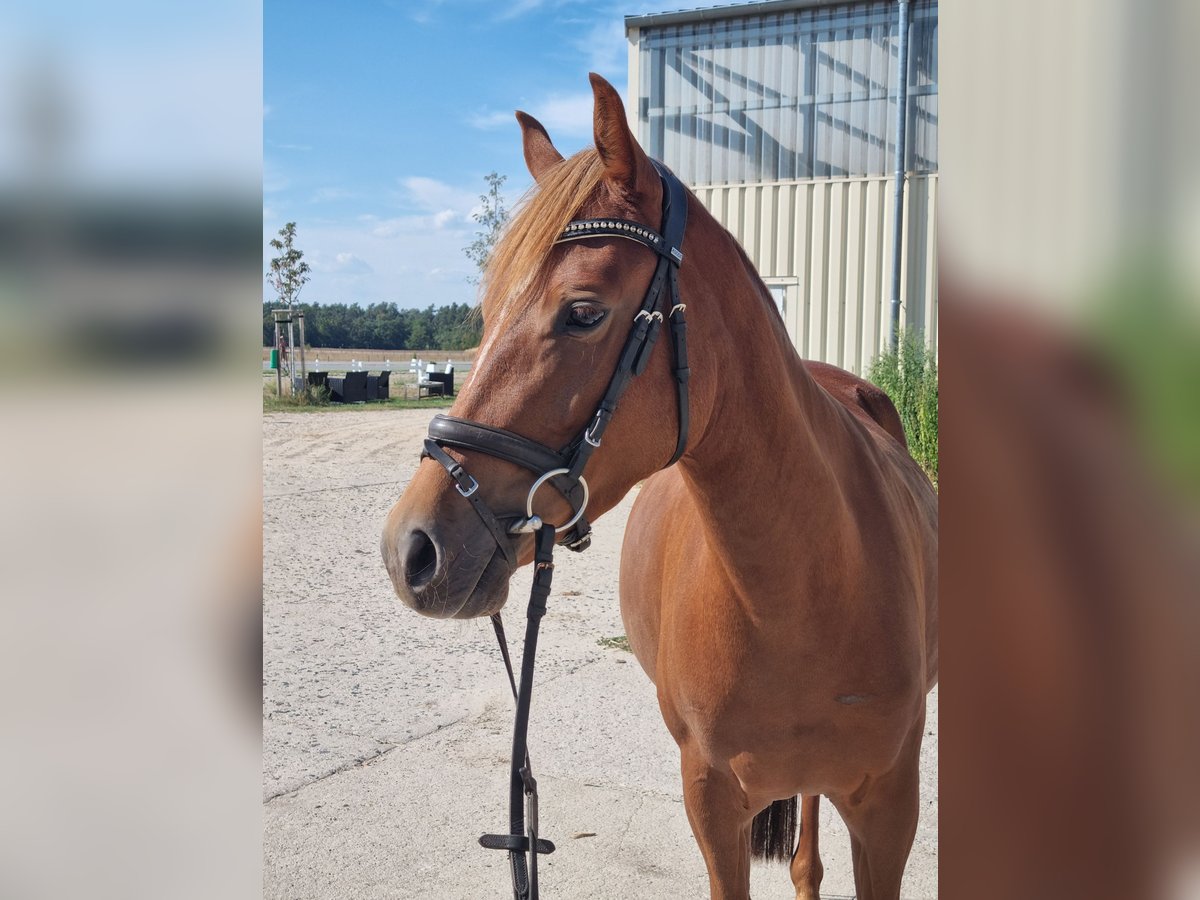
(778, 584)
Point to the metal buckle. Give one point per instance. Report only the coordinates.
(678, 307)
(678, 255)
(587, 433)
(648, 315)
(474, 487)
(542, 480)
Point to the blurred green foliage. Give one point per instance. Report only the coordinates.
(1146, 325)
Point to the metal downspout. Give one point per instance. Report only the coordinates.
(901, 149)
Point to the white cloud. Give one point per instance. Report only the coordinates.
(568, 115)
(447, 221)
(433, 196)
(518, 8)
(571, 115)
(350, 264)
(390, 228)
(421, 13)
(410, 262)
(605, 48)
(486, 121)
(415, 256)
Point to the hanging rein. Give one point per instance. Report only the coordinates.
(564, 470)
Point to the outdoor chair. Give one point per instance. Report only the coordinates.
(382, 387)
(446, 379)
(350, 389)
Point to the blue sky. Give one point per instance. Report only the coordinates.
(381, 119)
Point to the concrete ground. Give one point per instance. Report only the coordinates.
(385, 735)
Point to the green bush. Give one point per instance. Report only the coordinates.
(909, 377)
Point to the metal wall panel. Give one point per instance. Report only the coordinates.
(802, 93)
(781, 124)
(829, 243)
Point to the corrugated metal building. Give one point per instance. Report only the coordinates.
(780, 116)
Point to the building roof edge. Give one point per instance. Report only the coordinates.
(721, 12)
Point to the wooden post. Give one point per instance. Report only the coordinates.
(291, 354)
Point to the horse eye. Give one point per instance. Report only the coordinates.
(585, 315)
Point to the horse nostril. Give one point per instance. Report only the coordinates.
(420, 562)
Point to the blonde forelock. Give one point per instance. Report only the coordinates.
(544, 212)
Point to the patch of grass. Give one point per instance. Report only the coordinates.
(909, 377)
(617, 642)
(308, 402)
(312, 398)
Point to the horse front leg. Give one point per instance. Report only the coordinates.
(720, 817)
(882, 818)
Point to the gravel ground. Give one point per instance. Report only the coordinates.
(385, 735)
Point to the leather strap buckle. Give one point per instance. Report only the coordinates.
(514, 843)
(587, 433)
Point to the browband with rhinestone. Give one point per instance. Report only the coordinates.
(634, 231)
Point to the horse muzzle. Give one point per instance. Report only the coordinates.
(445, 572)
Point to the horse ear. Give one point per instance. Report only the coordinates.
(540, 154)
(624, 161)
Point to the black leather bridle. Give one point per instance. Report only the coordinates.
(564, 469)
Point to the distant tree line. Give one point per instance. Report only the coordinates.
(383, 326)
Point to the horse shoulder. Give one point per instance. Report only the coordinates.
(658, 530)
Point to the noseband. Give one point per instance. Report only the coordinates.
(564, 469)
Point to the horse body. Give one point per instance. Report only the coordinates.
(779, 588)
(769, 664)
(778, 584)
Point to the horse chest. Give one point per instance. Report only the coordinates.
(775, 697)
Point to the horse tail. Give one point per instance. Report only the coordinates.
(773, 834)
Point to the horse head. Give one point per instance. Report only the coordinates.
(558, 316)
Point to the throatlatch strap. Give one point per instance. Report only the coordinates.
(682, 372)
(498, 627)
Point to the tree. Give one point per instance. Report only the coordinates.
(491, 218)
(289, 271)
(384, 326)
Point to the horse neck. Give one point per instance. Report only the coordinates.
(764, 470)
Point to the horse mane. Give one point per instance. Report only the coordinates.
(543, 213)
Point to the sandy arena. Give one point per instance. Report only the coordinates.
(386, 735)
